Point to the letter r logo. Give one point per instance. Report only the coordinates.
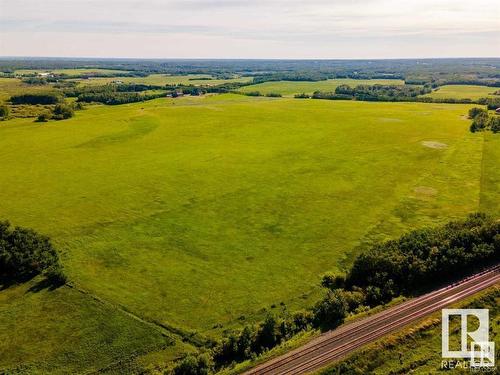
(480, 347)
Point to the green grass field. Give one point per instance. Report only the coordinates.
(65, 331)
(290, 88)
(14, 86)
(164, 79)
(462, 92)
(202, 211)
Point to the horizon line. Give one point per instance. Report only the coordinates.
(249, 58)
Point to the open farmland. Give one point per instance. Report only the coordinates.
(198, 213)
(462, 92)
(290, 88)
(70, 72)
(79, 333)
(164, 79)
(14, 86)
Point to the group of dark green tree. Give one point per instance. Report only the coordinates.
(385, 93)
(258, 93)
(482, 120)
(417, 261)
(394, 93)
(25, 254)
(57, 108)
(113, 94)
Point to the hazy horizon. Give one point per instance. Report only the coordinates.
(245, 59)
(236, 29)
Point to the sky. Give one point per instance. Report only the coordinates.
(296, 29)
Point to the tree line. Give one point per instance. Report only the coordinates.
(113, 94)
(36, 98)
(115, 98)
(396, 93)
(385, 93)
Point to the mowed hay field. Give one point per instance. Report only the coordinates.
(462, 92)
(199, 213)
(290, 88)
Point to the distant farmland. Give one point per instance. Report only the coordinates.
(289, 88)
(164, 79)
(203, 213)
(71, 72)
(462, 92)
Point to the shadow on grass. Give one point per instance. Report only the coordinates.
(7, 282)
(44, 283)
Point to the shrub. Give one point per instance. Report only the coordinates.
(44, 117)
(273, 95)
(62, 111)
(253, 93)
(479, 123)
(473, 112)
(494, 124)
(191, 365)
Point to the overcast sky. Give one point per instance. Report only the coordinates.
(250, 28)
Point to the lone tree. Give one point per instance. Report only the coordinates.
(24, 254)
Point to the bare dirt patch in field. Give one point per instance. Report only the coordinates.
(425, 191)
(434, 144)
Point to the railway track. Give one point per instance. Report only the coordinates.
(336, 344)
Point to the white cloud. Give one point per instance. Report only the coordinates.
(257, 28)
